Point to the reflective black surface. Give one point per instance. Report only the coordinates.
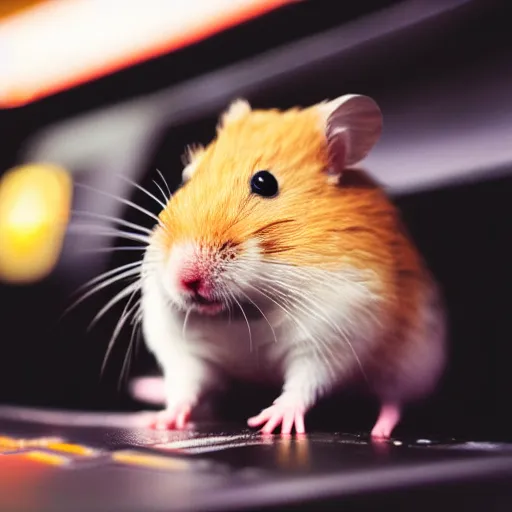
(227, 468)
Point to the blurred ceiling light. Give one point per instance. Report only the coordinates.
(62, 43)
(35, 203)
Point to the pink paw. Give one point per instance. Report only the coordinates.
(284, 413)
(381, 431)
(175, 417)
(388, 418)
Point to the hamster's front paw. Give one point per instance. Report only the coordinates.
(174, 417)
(285, 411)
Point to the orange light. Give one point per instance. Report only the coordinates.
(60, 44)
(35, 202)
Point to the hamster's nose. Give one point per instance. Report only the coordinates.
(195, 284)
(191, 284)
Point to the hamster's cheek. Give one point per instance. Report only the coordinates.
(252, 284)
(159, 272)
(246, 269)
(168, 276)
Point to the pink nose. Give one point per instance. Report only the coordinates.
(192, 284)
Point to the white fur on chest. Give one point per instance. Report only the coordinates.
(337, 323)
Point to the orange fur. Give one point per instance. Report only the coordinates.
(311, 223)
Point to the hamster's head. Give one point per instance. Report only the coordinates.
(260, 202)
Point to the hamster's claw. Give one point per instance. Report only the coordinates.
(171, 418)
(288, 416)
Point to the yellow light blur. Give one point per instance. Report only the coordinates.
(46, 458)
(35, 202)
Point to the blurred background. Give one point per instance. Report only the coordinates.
(90, 91)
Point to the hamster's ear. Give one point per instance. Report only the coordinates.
(352, 124)
(236, 111)
(191, 160)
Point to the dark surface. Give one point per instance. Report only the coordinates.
(231, 469)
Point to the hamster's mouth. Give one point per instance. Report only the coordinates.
(206, 306)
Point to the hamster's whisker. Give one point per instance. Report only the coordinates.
(124, 275)
(310, 308)
(297, 294)
(111, 218)
(125, 369)
(324, 277)
(318, 344)
(107, 274)
(282, 283)
(125, 315)
(134, 293)
(119, 326)
(185, 320)
(130, 289)
(112, 249)
(289, 300)
(127, 202)
(328, 278)
(86, 229)
(228, 301)
(138, 316)
(273, 275)
(246, 319)
(166, 185)
(259, 309)
(142, 189)
(166, 199)
(277, 303)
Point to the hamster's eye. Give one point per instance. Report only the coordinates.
(264, 184)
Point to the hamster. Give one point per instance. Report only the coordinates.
(280, 262)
